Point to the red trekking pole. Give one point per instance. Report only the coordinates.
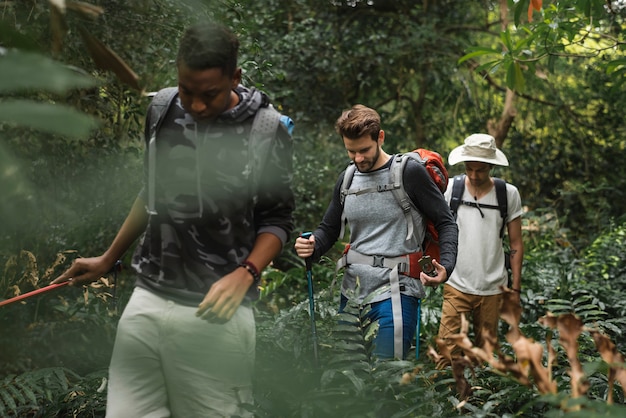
(50, 287)
(33, 293)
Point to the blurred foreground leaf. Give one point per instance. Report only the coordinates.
(47, 117)
(21, 71)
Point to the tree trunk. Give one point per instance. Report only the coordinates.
(499, 129)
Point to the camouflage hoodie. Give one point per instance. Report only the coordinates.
(208, 216)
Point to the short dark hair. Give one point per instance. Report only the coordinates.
(358, 121)
(209, 45)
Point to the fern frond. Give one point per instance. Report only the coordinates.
(32, 389)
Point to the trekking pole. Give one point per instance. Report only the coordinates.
(33, 293)
(309, 276)
(52, 287)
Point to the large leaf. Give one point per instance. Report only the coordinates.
(477, 52)
(616, 65)
(47, 117)
(21, 71)
(11, 38)
(519, 6)
(515, 78)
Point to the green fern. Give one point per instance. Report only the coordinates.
(28, 391)
(586, 306)
(53, 392)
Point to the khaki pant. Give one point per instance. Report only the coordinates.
(168, 363)
(481, 311)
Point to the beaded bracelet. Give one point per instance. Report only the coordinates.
(248, 265)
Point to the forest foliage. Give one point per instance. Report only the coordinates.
(544, 77)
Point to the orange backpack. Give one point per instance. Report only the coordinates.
(435, 167)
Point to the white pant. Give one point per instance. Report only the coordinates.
(168, 363)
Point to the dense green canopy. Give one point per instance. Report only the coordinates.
(545, 78)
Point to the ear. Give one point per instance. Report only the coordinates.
(381, 137)
(236, 80)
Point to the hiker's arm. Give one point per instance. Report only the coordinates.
(328, 230)
(225, 295)
(514, 229)
(85, 270)
(430, 202)
(274, 223)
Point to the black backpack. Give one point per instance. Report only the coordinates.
(263, 132)
(458, 187)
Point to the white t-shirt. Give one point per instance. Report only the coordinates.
(480, 266)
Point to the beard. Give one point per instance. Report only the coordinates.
(367, 165)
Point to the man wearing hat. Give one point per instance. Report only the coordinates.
(474, 288)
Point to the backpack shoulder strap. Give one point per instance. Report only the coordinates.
(347, 181)
(458, 187)
(158, 106)
(503, 203)
(343, 192)
(156, 113)
(395, 185)
(262, 134)
(396, 171)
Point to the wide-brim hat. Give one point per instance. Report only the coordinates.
(478, 147)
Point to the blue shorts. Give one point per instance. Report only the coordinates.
(381, 312)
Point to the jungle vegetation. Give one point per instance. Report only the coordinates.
(546, 78)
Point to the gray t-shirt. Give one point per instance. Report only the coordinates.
(378, 227)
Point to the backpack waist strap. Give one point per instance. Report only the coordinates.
(401, 264)
(407, 264)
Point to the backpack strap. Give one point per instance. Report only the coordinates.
(346, 190)
(503, 203)
(398, 162)
(458, 187)
(262, 134)
(347, 180)
(397, 265)
(156, 113)
(351, 256)
(396, 312)
(343, 192)
(456, 199)
(396, 176)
